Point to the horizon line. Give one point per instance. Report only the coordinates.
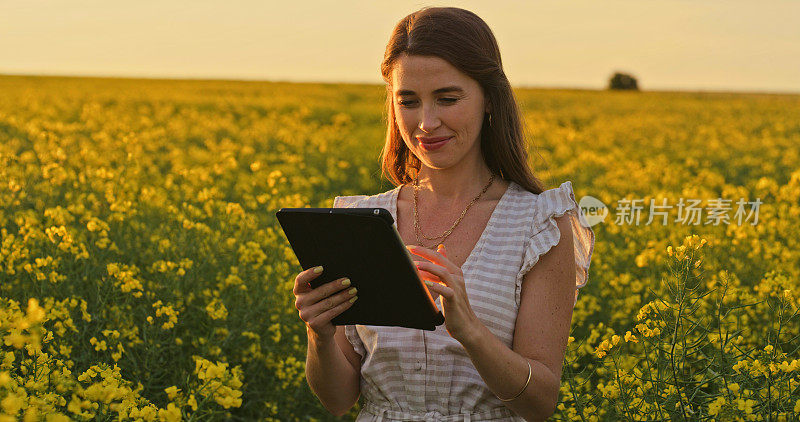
(329, 82)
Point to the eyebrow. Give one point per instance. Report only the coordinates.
(452, 88)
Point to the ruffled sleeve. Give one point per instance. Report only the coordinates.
(544, 234)
(350, 330)
(347, 201)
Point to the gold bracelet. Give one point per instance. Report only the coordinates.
(530, 370)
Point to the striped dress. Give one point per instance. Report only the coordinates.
(417, 375)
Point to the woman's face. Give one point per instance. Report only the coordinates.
(433, 99)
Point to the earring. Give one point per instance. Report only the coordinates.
(490, 119)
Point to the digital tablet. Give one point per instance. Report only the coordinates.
(363, 245)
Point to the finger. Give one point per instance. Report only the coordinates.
(328, 315)
(311, 296)
(424, 275)
(301, 282)
(437, 270)
(329, 303)
(328, 289)
(444, 291)
(434, 257)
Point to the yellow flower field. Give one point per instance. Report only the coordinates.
(143, 275)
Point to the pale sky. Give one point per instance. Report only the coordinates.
(668, 45)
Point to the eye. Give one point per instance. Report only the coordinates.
(446, 100)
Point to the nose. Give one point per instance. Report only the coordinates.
(429, 120)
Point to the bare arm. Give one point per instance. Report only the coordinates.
(333, 368)
(333, 371)
(542, 329)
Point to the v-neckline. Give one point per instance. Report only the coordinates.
(482, 239)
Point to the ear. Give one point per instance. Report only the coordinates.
(488, 106)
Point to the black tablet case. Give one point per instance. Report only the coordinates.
(362, 244)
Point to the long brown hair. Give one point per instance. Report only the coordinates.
(463, 39)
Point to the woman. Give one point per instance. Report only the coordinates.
(455, 150)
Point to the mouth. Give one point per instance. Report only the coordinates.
(431, 144)
(424, 140)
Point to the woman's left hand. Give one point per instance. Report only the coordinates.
(445, 278)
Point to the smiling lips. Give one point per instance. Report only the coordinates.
(432, 140)
(431, 144)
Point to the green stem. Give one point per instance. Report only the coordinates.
(621, 388)
(674, 341)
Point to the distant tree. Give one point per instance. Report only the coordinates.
(622, 81)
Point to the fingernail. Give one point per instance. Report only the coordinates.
(318, 270)
(353, 299)
(428, 282)
(352, 291)
(346, 282)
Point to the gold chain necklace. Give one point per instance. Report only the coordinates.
(418, 230)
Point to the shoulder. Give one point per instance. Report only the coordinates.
(549, 204)
(355, 201)
(557, 223)
(556, 202)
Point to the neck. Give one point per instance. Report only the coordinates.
(455, 185)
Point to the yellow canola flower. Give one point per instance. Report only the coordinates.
(784, 366)
(216, 309)
(92, 226)
(98, 345)
(610, 391)
(716, 406)
(118, 354)
(31, 415)
(694, 241)
(5, 379)
(11, 404)
(745, 406)
(604, 347)
(172, 392)
(35, 313)
(224, 383)
(171, 414)
(172, 314)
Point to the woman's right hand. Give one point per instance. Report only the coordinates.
(318, 306)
